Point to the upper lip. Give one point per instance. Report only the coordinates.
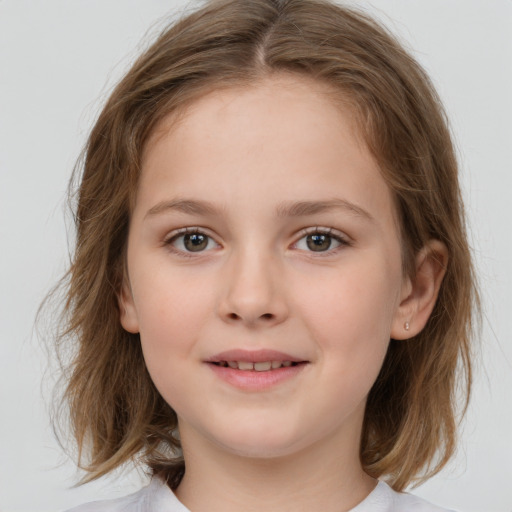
(253, 356)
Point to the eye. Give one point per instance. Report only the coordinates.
(191, 241)
(320, 240)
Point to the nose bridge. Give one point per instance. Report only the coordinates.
(253, 292)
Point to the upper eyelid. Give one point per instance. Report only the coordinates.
(170, 238)
(298, 236)
(325, 231)
(188, 230)
(303, 231)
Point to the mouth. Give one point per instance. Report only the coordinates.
(256, 370)
(261, 366)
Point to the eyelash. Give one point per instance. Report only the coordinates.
(338, 237)
(168, 242)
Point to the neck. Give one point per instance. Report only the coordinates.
(316, 478)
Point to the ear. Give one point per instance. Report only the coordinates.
(128, 312)
(419, 293)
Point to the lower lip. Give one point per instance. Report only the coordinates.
(251, 380)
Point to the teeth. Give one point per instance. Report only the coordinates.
(263, 366)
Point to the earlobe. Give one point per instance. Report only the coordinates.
(128, 312)
(421, 291)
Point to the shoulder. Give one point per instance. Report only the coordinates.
(385, 499)
(156, 497)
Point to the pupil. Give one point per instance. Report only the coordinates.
(319, 242)
(195, 242)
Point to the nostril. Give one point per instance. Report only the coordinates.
(265, 316)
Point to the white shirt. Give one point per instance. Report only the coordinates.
(157, 497)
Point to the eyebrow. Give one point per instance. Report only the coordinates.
(286, 209)
(190, 206)
(304, 208)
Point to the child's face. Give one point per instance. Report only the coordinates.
(292, 246)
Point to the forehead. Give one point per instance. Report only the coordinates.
(285, 138)
(269, 95)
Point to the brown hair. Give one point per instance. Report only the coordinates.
(410, 421)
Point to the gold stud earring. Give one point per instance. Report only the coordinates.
(406, 326)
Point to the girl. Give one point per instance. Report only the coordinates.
(271, 291)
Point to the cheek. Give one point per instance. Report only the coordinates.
(172, 311)
(171, 323)
(350, 311)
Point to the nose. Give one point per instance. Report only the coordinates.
(253, 292)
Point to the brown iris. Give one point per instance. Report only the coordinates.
(318, 242)
(195, 242)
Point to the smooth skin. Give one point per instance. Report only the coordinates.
(291, 244)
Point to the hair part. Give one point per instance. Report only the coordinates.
(116, 412)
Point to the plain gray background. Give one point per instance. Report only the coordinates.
(58, 61)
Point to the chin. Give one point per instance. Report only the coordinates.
(261, 451)
(261, 443)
